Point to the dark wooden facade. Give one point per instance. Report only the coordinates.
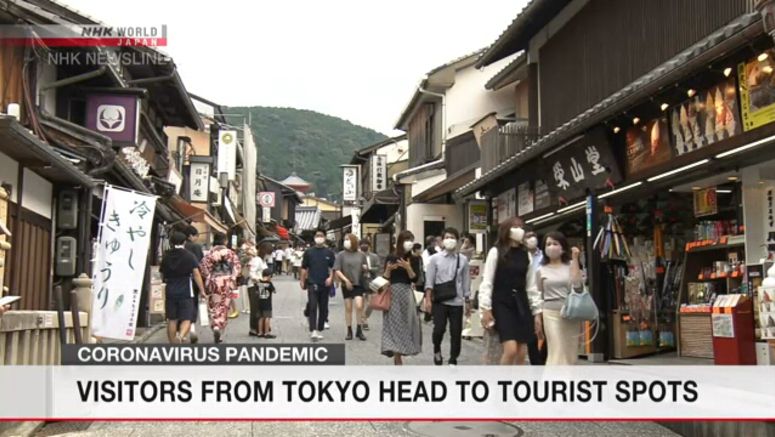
(499, 144)
(424, 135)
(610, 43)
(462, 154)
(28, 270)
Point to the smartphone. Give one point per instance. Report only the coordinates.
(9, 300)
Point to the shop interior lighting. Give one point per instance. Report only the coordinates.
(541, 217)
(746, 147)
(572, 207)
(767, 69)
(727, 71)
(732, 178)
(691, 92)
(635, 120)
(678, 170)
(619, 190)
(724, 191)
(663, 107)
(763, 57)
(617, 129)
(696, 188)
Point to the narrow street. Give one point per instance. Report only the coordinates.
(290, 326)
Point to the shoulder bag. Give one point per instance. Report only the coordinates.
(579, 306)
(382, 297)
(446, 290)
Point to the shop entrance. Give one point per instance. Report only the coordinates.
(433, 226)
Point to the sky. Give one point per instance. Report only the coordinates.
(358, 60)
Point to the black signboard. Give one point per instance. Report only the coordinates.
(586, 163)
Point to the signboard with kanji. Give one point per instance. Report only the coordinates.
(378, 173)
(119, 264)
(199, 182)
(587, 163)
(227, 153)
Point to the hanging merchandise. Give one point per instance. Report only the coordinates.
(610, 240)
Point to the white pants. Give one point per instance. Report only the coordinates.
(562, 339)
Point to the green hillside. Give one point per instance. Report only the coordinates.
(312, 144)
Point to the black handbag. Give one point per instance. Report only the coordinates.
(446, 290)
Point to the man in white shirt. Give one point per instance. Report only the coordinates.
(287, 260)
(279, 254)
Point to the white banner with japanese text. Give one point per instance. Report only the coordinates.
(119, 263)
(378, 173)
(227, 153)
(199, 182)
(350, 182)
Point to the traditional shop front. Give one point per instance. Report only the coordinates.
(670, 205)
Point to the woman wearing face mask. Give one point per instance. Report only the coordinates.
(351, 267)
(560, 271)
(401, 332)
(508, 298)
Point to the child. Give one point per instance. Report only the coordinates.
(265, 290)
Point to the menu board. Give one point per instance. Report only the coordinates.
(710, 116)
(525, 199)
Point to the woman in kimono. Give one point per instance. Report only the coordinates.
(221, 268)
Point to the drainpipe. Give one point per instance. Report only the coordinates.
(443, 115)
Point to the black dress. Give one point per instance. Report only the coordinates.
(510, 305)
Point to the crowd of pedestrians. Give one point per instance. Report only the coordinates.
(523, 288)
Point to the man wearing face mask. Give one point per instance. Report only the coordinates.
(446, 267)
(317, 276)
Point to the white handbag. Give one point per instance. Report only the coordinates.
(204, 313)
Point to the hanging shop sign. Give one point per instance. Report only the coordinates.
(705, 202)
(119, 265)
(117, 116)
(648, 146)
(266, 214)
(477, 217)
(199, 181)
(524, 199)
(586, 163)
(227, 153)
(379, 173)
(711, 115)
(350, 183)
(757, 90)
(355, 214)
(266, 199)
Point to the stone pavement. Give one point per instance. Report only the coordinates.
(291, 327)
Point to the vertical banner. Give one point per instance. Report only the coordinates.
(119, 264)
(227, 153)
(378, 173)
(477, 217)
(266, 214)
(199, 182)
(356, 223)
(350, 183)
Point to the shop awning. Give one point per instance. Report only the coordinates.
(446, 186)
(196, 214)
(21, 145)
(283, 233)
(380, 207)
(735, 34)
(307, 218)
(340, 222)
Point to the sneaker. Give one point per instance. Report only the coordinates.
(320, 336)
(452, 363)
(438, 359)
(326, 326)
(313, 335)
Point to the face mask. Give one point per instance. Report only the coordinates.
(450, 244)
(517, 234)
(320, 241)
(554, 252)
(408, 245)
(532, 243)
(347, 245)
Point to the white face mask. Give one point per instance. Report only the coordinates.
(450, 244)
(554, 252)
(320, 241)
(532, 243)
(347, 245)
(517, 234)
(408, 245)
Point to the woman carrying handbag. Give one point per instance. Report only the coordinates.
(559, 275)
(508, 297)
(401, 332)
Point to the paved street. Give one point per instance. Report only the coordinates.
(290, 326)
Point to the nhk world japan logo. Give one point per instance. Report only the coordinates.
(78, 35)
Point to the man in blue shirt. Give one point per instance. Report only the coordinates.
(446, 266)
(317, 277)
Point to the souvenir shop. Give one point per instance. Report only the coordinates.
(672, 201)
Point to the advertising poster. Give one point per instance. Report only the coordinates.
(708, 117)
(525, 199)
(705, 202)
(477, 217)
(648, 145)
(543, 198)
(757, 90)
